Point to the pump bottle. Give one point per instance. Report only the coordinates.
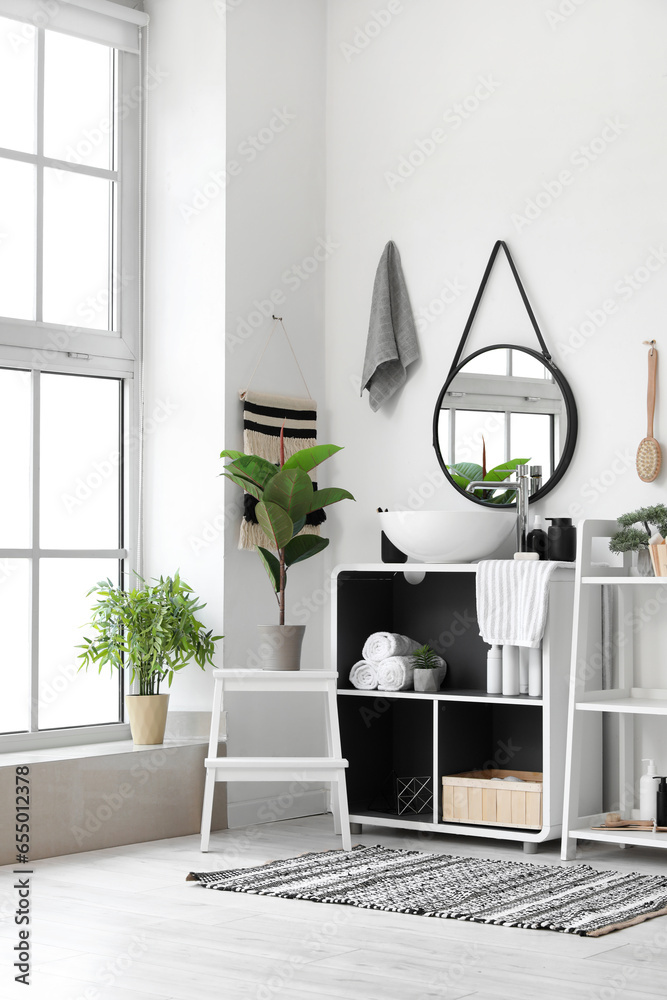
(647, 790)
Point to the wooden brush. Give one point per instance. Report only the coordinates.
(649, 456)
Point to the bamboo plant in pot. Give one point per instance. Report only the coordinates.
(152, 631)
(285, 496)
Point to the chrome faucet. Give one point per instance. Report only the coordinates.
(520, 486)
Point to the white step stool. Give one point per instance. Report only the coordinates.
(330, 768)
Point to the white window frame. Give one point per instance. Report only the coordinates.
(48, 347)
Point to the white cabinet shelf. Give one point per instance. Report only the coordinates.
(635, 701)
(390, 734)
(635, 838)
(626, 581)
(474, 696)
(590, 703)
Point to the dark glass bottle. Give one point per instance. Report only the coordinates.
(661, 803)
(537, 539)
(562, 539)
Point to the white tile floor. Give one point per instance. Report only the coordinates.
(123, 924)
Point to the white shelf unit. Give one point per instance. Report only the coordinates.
(461, 727)
(590, 703)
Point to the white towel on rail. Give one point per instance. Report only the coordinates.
(380, 645)
(513, 600)
(396, 673)
(364, 676)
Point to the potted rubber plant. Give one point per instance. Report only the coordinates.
(468, 472)
(429, 669)
(152, 631)
(285, 497)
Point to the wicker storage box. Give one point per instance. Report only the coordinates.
(472, 797)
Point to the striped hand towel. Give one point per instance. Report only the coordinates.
(513, 599)
(263, 416)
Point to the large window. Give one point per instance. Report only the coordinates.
(70, 294)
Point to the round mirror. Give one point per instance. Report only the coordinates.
(501, 407)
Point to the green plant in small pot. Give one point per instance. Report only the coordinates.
(429, 669)
(285, 497)
(152, 631)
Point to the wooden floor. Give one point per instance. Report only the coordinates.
(123, 924)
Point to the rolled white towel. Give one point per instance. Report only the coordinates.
(395, 673)
(381, 645)
(364, 676)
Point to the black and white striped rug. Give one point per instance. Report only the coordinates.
(575, 899)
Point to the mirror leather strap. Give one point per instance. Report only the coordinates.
(478, 299)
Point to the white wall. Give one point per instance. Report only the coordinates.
(553, 90)
(545, 89)
(546, 85)
(184, 356)
(275, 218)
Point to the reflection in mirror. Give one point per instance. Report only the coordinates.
(503, 407)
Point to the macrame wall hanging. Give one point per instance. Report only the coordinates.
(263, 416)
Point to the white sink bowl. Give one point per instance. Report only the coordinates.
(448, 536)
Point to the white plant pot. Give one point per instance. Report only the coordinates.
(429, 680)
(638, 563)
(280, 647)
(148, 717)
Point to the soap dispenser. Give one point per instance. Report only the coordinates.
(562, 539)
(494, 672)
(661, 802)
(647, 790)
(537, 538)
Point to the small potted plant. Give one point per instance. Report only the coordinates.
(633, 542)
(429, 669)
(285, 496)
(152, 631)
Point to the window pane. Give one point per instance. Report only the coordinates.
(77, 216)
(493, 362)
(531, 438)
(79, 504)
(17, 239)
(15, 631)
(15, 458)
(66, 697)
(526, 366)
(17, 78)
(77, 100)
(474, 428)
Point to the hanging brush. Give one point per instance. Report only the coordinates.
(649, 456)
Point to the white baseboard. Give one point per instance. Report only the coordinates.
(282, 805)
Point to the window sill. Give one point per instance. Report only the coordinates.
(16, 758)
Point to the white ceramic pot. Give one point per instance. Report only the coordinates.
(148, 717)
(429, 680)
(280, 647)
(638, 563)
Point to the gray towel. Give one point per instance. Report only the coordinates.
(392, 335)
